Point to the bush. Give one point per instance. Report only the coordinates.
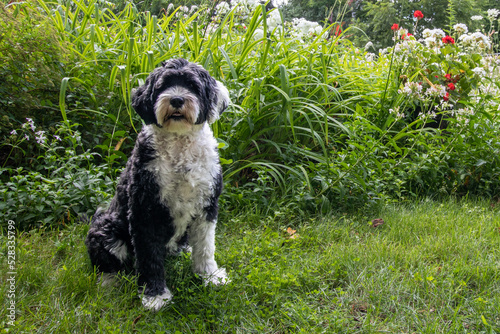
(59, 184)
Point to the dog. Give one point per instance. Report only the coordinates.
(167, 195)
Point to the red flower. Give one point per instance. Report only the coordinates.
(418, 14)
(408, 34)
(448, 40)
(448, 76)
(451, 86)
(395, 26)
(446, 97)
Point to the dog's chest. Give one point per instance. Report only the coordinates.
(185, 169)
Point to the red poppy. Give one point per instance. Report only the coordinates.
(418, 14)
(448, 40)
(395, 26)
(446, 97)
(451, 86)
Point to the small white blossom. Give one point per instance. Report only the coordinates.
(258, 34)
(57, 138)
(222, 8)
(460, 28)
(476, 18)
(479, 71)
(40, 137)
(436, 91)
(368, 45)
(413, 89)
(13, 132)
(30, 124)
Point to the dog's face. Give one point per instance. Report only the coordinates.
(179, 95)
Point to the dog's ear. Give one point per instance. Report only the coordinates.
(223, 100)
(143, 99)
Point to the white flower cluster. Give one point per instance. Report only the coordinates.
(460, 28)
(411, 89)
(463, 115)
(433, 38)
(476, 40)
(436, 91)
(273, 19)
(476, 18)
(304, 28)
(492, 14)
(396, 113)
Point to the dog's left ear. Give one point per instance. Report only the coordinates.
(223, 101)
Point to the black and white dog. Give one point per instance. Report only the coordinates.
(168, 193)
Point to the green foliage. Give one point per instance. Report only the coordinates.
(61, 181)
(315, 124)
(31, 65)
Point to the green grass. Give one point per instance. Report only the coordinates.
(431, 268)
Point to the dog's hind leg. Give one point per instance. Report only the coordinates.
(108, 251)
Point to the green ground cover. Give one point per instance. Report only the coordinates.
(430, 268)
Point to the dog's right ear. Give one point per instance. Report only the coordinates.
(143, 99)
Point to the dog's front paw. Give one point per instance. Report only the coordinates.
(218, 277)
(155, 303)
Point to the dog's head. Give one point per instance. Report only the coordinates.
(178, 95)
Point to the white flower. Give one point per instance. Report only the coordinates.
(397, 113)
(479, 71)
(40, 137)
(170, 8)
(57, 138)
(460, 28)
(222, 8)
(413, 89)
(258, 34)
(476, 18)
(493, 13)
(370, 57)
(13, 132)
(436, 91)
(273, 19)
(368, 45)
(30, 124)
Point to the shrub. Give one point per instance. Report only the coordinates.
(62, 182)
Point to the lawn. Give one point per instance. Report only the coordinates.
(431, 267)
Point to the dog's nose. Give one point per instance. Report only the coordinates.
(177, 101)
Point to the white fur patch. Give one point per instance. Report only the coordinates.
(155, 303)
(119, 249)
(186, 167)
(218, 277)
(190, 111)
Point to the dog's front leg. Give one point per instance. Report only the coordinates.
(202, 240)
(150, 258)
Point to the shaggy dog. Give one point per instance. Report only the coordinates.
(168, 193)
